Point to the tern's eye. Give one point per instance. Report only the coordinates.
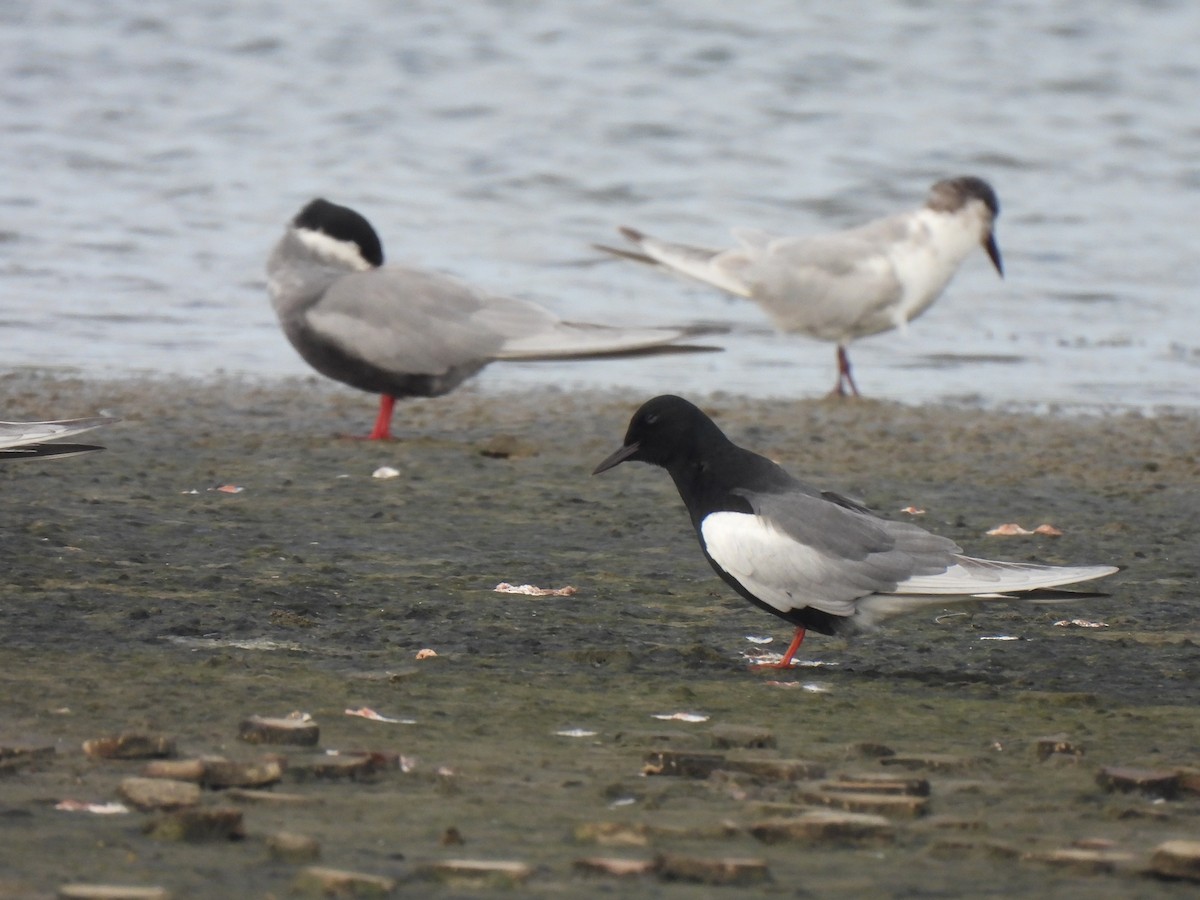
(652, 418)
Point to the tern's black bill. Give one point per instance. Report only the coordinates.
(615, 459)
(993, 253)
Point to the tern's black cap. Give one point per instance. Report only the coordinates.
(343, 224)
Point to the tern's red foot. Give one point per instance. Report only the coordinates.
(838, 391)
(785, 661)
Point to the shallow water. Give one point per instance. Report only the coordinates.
(154, 152)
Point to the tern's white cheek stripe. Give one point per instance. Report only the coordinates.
(344, 252)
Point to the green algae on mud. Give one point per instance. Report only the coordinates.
(137, 598)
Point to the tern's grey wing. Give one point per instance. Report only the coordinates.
(833, 287)
(412, 321)
(971, 576)
(798, 550)
(532, 332)
(890, 551)
(901, 557)
(16, 434)
(809, 552)
(405, 320)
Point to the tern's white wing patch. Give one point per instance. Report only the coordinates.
(775, 568)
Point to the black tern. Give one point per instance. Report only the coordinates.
(25, 440)
(816, 559)
(402, 332)
(846, 284)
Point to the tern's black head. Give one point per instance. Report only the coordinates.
(664, 431)
(970, 187)
(342, 224)
(953, 194)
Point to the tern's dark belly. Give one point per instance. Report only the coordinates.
(332, 361)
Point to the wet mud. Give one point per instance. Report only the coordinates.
(138, 599)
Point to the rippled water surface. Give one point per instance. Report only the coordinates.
(154, 151)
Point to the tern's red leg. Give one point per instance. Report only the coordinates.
(844, 371)
(383, 424)
(786, 661)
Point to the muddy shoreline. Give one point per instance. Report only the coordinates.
(137, 597)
